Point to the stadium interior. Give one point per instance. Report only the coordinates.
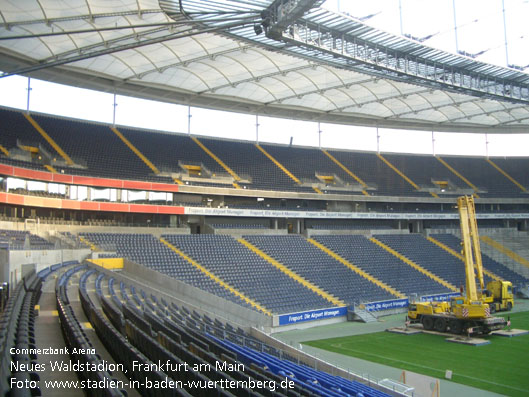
(132, 247)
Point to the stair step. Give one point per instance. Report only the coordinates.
(363, 315)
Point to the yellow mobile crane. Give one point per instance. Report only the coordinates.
(463, 314)
(498, 294)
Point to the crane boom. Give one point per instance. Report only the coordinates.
(471, 246)
(470, 313)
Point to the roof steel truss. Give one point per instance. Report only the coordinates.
(348, 50)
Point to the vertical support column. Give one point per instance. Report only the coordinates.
(505, 33)
(378, 142)
(487, 145)
(189, 119)
(455, 24)
(319, 134)
(256, 128)
(28, 96)
(400, 16)
(433, 144)
(114, 111)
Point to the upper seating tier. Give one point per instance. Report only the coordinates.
(98, 152)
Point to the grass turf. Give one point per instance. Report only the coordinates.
(501, 366)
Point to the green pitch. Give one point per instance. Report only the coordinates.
(501, 366)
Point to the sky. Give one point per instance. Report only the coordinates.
(481, 19)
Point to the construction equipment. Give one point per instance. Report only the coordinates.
(498, 295)
(469, 313)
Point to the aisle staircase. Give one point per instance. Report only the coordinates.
(459, 175)
(356, 269)
(135, 150)
(290, 273)
(217, 279)
(236, 178)
(348, 171)
(402, 175)
(359, 314)
(49, 139)
(414, 265)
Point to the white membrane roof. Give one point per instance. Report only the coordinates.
(148, 49)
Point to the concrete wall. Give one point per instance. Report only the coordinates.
(244, 221)
(14, 261)
(45, 229)
(368, 233)
(237, 233)
(359, 198)
(197, 298)
(4, 265)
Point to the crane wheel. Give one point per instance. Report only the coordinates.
(509, 306)
(427, 323)
(455, 327)
(492, 307)
(440, 325)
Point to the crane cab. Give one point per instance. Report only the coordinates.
(498, 295)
